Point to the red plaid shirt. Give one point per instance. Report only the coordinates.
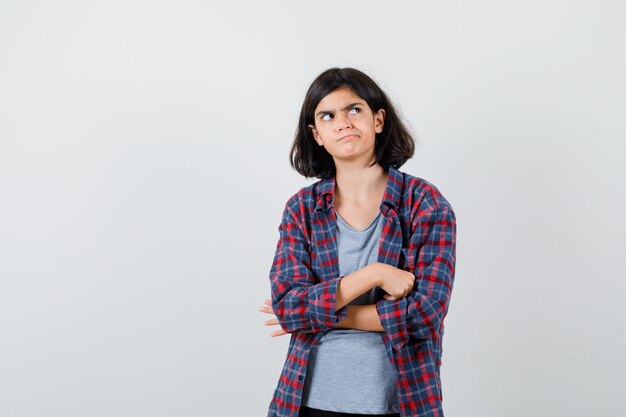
(418, 235)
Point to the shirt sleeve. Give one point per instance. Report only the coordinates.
(421, 313)
(299, 303)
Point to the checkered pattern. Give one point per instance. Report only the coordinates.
(418, 235)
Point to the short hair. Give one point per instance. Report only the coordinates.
(394, 145)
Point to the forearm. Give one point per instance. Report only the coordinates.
(362, 317)
(317, 307)
(353, 285)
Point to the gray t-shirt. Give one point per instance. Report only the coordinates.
(349, 371)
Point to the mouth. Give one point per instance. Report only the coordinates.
(347, 137)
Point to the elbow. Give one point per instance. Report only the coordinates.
(425, 317)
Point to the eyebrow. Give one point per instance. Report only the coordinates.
(346, 107)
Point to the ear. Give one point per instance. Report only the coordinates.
(379, 120)
(316, 136)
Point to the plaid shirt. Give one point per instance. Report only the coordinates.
(418, 235)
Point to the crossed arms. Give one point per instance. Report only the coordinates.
(415, 304)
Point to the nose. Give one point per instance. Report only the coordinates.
(342, 122)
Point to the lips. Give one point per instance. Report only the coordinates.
(347, 137)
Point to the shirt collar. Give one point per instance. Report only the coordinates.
(391, 198)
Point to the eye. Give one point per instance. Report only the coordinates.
(354, 110)
(326, 116)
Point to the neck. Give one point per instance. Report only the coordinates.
(359, 183)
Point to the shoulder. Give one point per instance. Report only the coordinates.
(423, 196)
(300, 205)
(304, 199)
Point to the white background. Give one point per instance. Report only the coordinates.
(144, 169)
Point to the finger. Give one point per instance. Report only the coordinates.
(278, 333)
(267, 310)
(268, 302)
(271, 322)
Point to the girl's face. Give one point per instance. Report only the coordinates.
(346, 126)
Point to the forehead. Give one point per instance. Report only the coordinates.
(338, 98)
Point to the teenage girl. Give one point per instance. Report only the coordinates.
(364, 266)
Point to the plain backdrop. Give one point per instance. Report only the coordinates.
(144, 169)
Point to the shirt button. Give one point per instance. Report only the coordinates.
(299, 377)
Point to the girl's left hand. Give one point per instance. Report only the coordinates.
(267, 308)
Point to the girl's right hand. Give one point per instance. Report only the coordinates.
(396, 282)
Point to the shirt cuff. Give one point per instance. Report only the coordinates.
(322, 299)
(393, 319)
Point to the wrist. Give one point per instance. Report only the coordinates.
(373, 275)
